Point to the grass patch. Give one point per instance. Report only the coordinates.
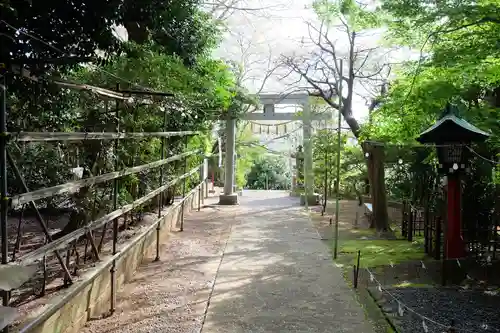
(406, 284)
(361, 233)
(379, 252)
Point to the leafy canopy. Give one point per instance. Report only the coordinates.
(79, 28)
(460, 62)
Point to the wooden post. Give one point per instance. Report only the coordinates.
(404, 219)
(426, 229)
(376, 174)
(437, 236)
(410, 225)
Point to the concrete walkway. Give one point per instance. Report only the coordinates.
(277, 276)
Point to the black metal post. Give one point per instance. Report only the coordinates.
(359, 258)
(45, 274)
(354, 279)
(39, 216)
(115, 181)
(325, 194)
(203, 182)
(444, 271)
(451, 329)
(161, 195)
(410, 225)
(203, 191)
(199, 196)
(403, 219)
(184, 186)
(68, 257)
(115, 207)
(426, 229)
(3, 184)
(337, 184)
(200, 187)
(404, 223)
(206, 187)
(437, 236)
(356, 270)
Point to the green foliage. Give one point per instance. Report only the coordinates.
(169, 51)
(202, 91)
(248, 151)
(352, 162)
(325, 148)
(460, 62)
(269, 172)
(186, 31)
(349, 12)
(175, 26)
(352, 170)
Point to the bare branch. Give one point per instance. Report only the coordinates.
(326, 94)
(363, 68)
(329, 49)
(223, 9)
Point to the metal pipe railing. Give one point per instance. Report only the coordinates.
(82, 136)
(74, 186)
(81, 285)
(65, 240)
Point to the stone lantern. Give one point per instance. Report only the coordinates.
(451, 135)
(299, 162)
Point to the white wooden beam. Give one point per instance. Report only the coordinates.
(7, 316)
(256, 116)
(13, 276)
(296, 98)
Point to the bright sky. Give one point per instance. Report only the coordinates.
(273, 31)
(257, 39)
(282, 30)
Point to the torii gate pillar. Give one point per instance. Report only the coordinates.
(229, 197)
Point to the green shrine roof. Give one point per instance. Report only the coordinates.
(451, 128)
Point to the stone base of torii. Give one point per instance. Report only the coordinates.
(229, 197)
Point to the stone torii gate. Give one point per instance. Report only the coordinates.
(269, 101)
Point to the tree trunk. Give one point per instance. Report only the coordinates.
(376, 175)
(330, 187)
(169, 196)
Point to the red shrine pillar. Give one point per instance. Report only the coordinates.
(454, 241)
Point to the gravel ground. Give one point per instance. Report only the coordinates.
(472, 311)
(171, 295)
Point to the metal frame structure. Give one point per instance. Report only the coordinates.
(13, 275)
